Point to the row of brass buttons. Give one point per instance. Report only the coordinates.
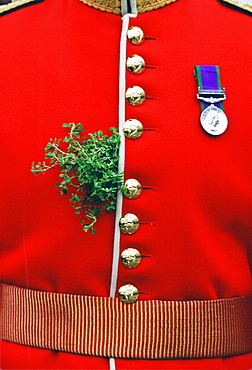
(135, 95)
(132, 129)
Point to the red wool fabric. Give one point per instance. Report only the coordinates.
(60, 64)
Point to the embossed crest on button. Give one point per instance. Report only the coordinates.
(213, 120)
(132, 128)
(131, 258)
(132, 188)
(129, 223)
(135, 64)
(135, 95)
(135, 35)
(128, 293)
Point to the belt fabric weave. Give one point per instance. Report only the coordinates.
(104, 326)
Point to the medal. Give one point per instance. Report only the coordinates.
(213, 119)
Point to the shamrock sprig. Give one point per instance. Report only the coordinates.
(89, 166)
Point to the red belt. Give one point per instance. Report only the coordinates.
(102, 326)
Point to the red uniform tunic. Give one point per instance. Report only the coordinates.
(59, 63)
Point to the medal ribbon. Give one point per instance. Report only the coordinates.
(208, 78)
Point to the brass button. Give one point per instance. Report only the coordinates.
(135, 35)
(135, 95)
(131, 258)
(132, 128)
(132, 188)
(128, 293)
(129, 223)
(135, 64)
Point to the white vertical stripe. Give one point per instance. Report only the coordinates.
(124, 7)
(121, 164)
(122, 85)
(112, 364)
(125, 10)
(133, 5)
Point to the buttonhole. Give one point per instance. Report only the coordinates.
(151, 67)
(149, 188)
(146, 255)
(152, 129)
(143, 292)
(151, 38)
(152, 223)
(152, 97)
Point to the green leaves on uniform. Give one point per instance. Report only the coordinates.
(89, 167)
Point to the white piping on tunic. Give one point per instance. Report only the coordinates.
(112, 364)
(125, 10)
(121, 164)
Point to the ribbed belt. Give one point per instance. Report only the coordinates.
(104, 326)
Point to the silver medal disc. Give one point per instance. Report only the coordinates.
(213, 120)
